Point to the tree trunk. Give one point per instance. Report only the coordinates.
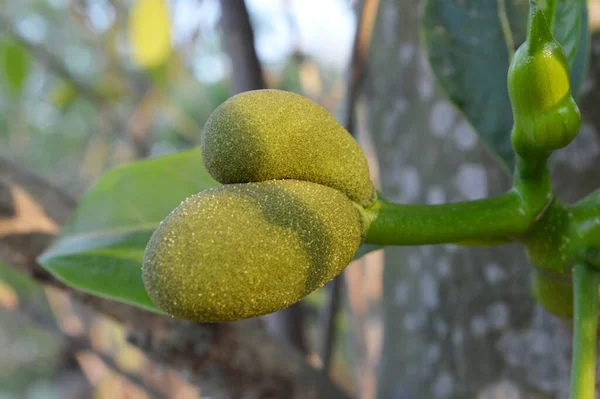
(458, 322)
(238, 37)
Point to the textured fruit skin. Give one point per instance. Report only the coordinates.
(271, 134)
(244, 250)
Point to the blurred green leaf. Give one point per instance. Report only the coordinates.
(576, 48)
(469, 46)
(15, 65)
(100, 249)
(23, 285)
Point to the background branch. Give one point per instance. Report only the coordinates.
(247, 75)
(366, 13)
(238, 37)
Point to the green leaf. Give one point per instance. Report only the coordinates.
(100, 249)
(15, 66)
(578, 62)
(469, 46)
(568, 27)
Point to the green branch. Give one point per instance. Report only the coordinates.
(585, 299)
(494, 220)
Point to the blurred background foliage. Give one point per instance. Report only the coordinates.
(86, 85)
(75, 102)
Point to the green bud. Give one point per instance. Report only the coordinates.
(244, 250)
(545, 113)
(271, 134)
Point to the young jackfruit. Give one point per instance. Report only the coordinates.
(546, 115)
(271, 134)
(244, 250)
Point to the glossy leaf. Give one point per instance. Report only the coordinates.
(150, 32)
(469, 47)
(15, 66)
(100, 249)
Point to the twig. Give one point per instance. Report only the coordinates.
(367, 11)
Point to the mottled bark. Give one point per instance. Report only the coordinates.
(459, 322)
(234, 360)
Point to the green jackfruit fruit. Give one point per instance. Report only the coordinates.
(271, 134)
(546, 117)
(243, 250)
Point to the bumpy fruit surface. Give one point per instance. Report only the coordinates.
(271, 134)
(546, 116)
(243, 250)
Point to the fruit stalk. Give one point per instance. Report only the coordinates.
(493, 220)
